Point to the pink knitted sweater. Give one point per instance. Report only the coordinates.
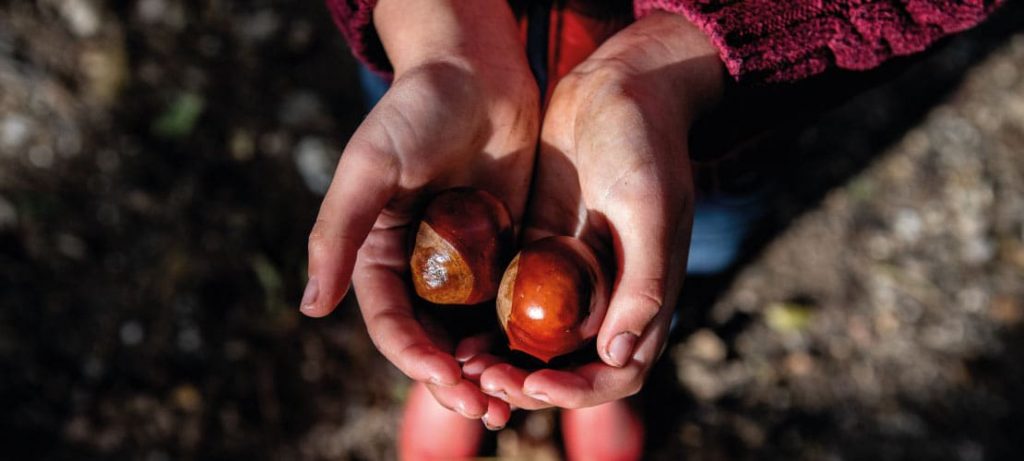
(767, 40)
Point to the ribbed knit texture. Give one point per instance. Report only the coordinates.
(355, 20)
(771, 41)
(766, 40)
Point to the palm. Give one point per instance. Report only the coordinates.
(445, 131)
(604, 153)
(612, 170)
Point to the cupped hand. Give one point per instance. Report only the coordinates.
(456, 115)
(613, 169)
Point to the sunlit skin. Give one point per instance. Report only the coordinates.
(611, 168)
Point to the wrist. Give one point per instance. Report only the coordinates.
(476, 35)
(667, 54)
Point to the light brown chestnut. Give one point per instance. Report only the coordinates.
(464, 241)
(553, 297)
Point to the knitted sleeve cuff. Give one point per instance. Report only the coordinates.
(778, 41)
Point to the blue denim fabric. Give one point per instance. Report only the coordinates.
(373, 86)
(721, 223)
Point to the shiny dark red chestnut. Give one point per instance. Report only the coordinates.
(553, 297)
(462, 245)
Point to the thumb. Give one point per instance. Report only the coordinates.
(651, 243)
(363, 184)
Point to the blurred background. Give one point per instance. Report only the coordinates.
(161, 162)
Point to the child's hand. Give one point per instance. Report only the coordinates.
(463, 111)
(614, 170)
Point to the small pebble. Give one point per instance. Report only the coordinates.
(705, 345)
(8, 214)
(81, 16)
(189, 340)
(41, 157)
(187, 398)
(799, 363)
(258, 26)
(978, 251)
(151, 11)
(71, 246)
(700, 381)
(301, 108)
(132, 333)
(311, 371)
(313, 160)
(1007, 310)
(242, 145)
(14, 131)
(908, 225)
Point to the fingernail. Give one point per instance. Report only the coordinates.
(461, 409)
(436, 380)
(466, 351)
(473, 369)
(496, 393)
(621, 348)
(488, 425)
(538, 396)
(310, 294)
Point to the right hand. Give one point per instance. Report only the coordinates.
(463, 111)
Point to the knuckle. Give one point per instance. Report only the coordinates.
(324, 240)
(319, 236)
(571, 81)
(574, 402)
(634, 385)
(641, 306)
(604, 73)
(648, 303)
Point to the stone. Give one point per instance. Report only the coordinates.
(313, 160)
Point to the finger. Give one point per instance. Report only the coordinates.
(597, 383)
(472, 346)
(498, 413)
(395, 330)
(650, 249)
(463, 398)
(363, 183)
(505, 382)
(475, 367)
(587, 386)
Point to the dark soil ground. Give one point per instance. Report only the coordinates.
(161, 162)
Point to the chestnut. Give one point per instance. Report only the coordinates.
(553, 297)
(464, 240)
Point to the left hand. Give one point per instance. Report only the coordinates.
(614, 170)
